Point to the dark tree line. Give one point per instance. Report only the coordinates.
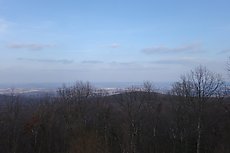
(193, 118)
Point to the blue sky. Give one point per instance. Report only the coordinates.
(111, 40)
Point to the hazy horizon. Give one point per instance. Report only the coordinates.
(56, 85)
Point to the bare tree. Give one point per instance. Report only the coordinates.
(148, 86)
(198, 87)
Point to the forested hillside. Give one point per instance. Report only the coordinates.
(193, 117)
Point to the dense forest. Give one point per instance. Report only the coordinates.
(193, 117)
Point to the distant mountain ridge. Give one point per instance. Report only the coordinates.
(94, 84)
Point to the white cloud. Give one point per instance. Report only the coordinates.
(179, 49)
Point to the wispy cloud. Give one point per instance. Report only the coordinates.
(115, 63)
(91, 62)
(30, 46)
(225, 51)
(134, 66)
(177, 61)
(114, 45)
(61, 61)
(179, 49)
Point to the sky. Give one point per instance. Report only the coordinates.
(111, 40)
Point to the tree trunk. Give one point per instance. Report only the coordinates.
(198, 136)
